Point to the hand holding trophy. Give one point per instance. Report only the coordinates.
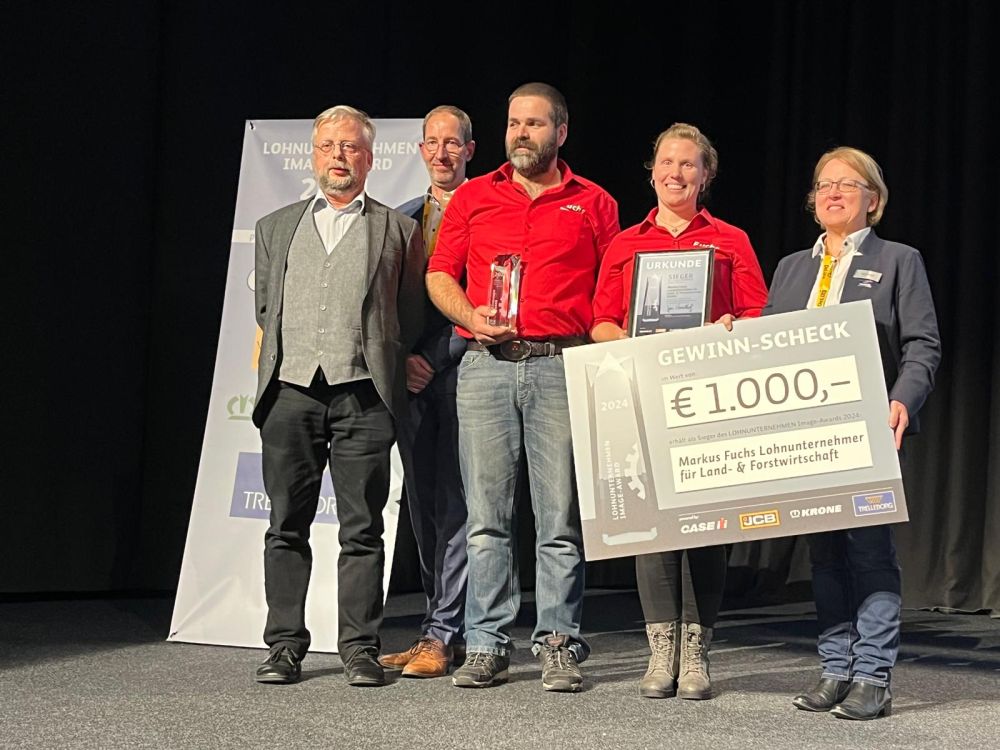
(505, 285)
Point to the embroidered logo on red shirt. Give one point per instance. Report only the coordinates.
(573, 207)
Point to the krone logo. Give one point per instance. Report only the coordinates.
(759, 519)
(822, 510)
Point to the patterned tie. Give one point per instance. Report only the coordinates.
(433, 213)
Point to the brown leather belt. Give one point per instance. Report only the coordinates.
(517, 350)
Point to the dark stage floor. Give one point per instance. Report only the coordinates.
(98, 674)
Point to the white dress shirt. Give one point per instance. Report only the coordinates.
(333, 223)
(840, 269)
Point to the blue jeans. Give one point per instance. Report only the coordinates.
(506, 409)
(856, 584)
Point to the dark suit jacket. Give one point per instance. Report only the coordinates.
(901, 301)
(392, 309)
(439, 344)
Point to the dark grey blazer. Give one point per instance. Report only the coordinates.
(392, 310)
(901, 301)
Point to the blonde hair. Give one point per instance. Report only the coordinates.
(342, 112)
(864, 165)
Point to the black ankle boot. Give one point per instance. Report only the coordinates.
(864, 702)
(827, 694)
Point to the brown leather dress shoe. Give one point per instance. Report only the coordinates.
(401, 658)
(431, 659)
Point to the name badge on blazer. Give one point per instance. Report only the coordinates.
(861, 273)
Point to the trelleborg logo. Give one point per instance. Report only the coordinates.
(240, 407)
(250, 500)
(760, 519)
(820, 510)
(873, 503)
(696, 528)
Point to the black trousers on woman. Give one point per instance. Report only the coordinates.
(683, 585)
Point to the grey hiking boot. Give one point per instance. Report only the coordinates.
(481, 669)
(694, 682)
(660, 680)
(560, 672)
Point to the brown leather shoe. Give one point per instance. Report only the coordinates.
(400, 659)
(432, 659)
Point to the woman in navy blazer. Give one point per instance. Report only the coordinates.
(856, 579)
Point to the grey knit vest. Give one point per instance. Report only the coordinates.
(321, 314)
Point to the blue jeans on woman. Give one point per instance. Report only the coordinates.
(856, 584)
(506, 409)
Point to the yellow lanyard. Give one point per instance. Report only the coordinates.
(824, 280)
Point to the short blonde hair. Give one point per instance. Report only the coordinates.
(864, 165)
(342, 112)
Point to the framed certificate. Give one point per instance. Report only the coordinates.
(671, 289)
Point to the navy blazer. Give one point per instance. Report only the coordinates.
(439, 344)
(901, 302)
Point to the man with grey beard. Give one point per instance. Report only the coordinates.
(511, 385)
(339, 299)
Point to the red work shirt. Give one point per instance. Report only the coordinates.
(738, 286)
(561, 236)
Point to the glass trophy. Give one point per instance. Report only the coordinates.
(505, 286)
(624, 494)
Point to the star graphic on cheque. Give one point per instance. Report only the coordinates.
(610, 363)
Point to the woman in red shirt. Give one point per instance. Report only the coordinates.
(684, 163)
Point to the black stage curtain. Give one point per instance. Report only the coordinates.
(122, 140)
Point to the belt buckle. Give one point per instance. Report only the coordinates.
(515, 350)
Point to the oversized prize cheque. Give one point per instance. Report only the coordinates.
(705, 436)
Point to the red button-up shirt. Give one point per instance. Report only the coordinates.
(738, 286)
(561, 237)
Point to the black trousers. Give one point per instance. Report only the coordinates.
(350, 427)
(685, 585)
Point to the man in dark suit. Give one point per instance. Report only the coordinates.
(339, 297)
(428, 440)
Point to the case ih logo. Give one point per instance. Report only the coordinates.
(759, 519)
(694, 528)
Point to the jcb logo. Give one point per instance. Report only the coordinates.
(759, 519)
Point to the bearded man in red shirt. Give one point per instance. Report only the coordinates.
(511, 384)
